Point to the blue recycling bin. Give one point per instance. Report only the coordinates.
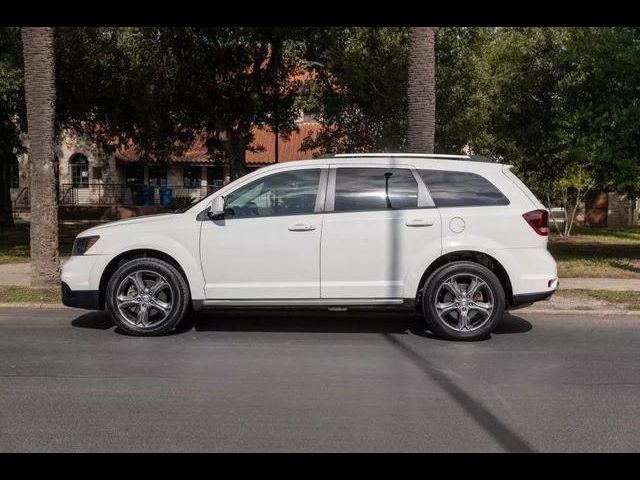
(147, 195)
(166, 196)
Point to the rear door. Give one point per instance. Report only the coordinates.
(473, 210)
(377, 220)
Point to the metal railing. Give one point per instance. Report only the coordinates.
(22, 201)
(132, 194)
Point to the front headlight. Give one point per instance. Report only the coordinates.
(82, 244)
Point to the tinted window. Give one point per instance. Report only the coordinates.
(375, 189)
(285, 193)
(461, 189)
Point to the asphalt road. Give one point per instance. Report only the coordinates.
(279, 381)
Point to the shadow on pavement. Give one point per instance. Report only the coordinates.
(501, 433)
(512, 324)
(307, 321)
(94, 320)
(302, 321)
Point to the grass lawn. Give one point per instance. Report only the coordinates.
(609, 299)
(14, 242)
(14, 246)
(9, 294)
(598, 253)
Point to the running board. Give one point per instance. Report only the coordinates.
(305, 302)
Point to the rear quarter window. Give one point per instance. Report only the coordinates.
(461, 189)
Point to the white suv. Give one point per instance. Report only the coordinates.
(460, 240)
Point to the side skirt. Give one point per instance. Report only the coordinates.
(312, 303)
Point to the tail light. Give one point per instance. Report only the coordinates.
(539, 221)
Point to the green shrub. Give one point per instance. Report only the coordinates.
(180, 202)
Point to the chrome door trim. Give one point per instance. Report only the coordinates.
(303, 302)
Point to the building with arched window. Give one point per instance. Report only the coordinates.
(91, 175)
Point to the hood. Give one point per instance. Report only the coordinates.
(130, 222)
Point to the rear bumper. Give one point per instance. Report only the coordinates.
(87, 299)
(529, 298)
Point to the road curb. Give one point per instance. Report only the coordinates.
(543, 311)
(549, 311)
(33, 305)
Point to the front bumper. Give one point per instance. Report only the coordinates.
(87, 299)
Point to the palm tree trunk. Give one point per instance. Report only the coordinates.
(39, 81)
(421, 90)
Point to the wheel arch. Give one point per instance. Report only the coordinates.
(480, 258)
(128, 255)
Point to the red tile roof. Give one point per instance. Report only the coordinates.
(263, 140)
(288, 149)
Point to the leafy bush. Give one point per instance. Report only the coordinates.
(180, 202)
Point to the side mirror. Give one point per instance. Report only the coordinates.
(216, 212)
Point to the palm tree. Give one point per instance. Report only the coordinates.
(421, 91)
(39, 83)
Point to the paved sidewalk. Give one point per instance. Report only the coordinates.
(18, 274)
(600, 284)
(15, 274)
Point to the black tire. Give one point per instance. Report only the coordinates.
(485, 323)
(178, 290)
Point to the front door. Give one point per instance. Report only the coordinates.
(268, 244)
(380, 223)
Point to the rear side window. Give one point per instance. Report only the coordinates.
(375, 189)
(461, 189)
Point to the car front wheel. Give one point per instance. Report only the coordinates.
(147, 296)
(463, 301)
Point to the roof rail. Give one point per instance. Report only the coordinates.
(418, 155)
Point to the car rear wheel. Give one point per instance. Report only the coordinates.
(463, 301)
(147, 297)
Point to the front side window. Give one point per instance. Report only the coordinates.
(461, 189)
(79, 171)
(375, 189)
(286, 193)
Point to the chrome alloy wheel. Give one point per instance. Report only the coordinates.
(464, 302)
(144, 298)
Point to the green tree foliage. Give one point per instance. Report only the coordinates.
(12, 107)
(462, 103)
(12, 112)
(360, 87)
(605, 103)
(561, 101)
(165, 87)
(118, 84)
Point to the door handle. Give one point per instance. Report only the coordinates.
(418, 223)
(301, 227)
